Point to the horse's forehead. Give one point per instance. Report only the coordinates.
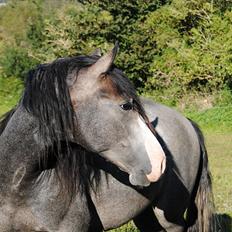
(87, 87)
(109, 89)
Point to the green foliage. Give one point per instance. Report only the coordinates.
(16, 62)
(127, 15)
(10, 91)
(223, 5)
(75, 29)
(14, 20)
(17, 36)
(191, 46)
(72, 28)
(167, 48)
(126, 228)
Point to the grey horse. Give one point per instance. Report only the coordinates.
(81, 152)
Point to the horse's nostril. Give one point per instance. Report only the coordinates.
(139, 179)
(157, 171)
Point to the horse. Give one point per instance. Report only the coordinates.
(82, 152)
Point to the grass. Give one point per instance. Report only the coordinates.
(220, 157)
(215, 120)
(216, 123)
(129, 227)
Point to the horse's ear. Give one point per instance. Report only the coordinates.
(90, 74)
(104, 63)
(97, 52)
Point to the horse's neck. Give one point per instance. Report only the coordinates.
(18, 149)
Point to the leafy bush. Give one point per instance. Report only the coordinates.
(80, 27)
(16, 62)
(190, 46)
(15, 17)
(75, 29)
(10, 91)
(127, 16)
(167, 48)
(129, 227)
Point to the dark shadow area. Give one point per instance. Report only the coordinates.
(223, 223)
(95, 223)
(147, 221)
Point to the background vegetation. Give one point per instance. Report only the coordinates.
(177, 52)
(173, 46)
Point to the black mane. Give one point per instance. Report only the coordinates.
(46, 96)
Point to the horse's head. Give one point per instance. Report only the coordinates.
(87, 100)
(112, 122)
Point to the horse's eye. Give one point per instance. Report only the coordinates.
(127, 105)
